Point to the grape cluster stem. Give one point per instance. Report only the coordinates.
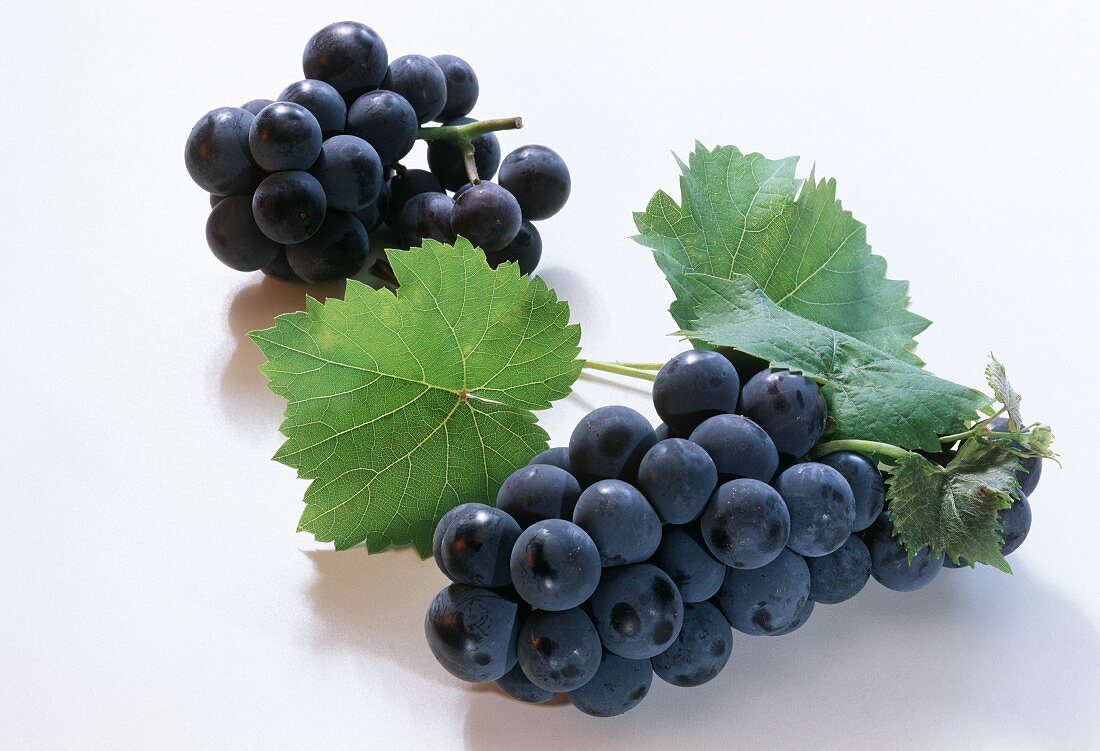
(464, 136)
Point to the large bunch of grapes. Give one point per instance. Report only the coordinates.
(298, 184)
(637, 551)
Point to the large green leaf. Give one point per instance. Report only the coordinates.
(954, 508)
(871, 395)
(744, 214)
(402, 406)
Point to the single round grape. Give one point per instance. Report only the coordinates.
(325, 102)
(336, 251)
(463, 189)
(217, 154)
(404, 186)
(462, 86)
(677, 477)
(233, 236)
(289, 206)
(799, 620)
(608, 444)
(637, 610)
(1031, 467)
(700, 651)
(738, 446)
(683, 555)
(441, 528)
(538, 178)
(421, 81)
(525, 250)
(664, 432)
(555, 565)
(1015, 523)
(558, 456)
(865, 481)
(788, 407)
(255, 105)
(216, 199)
(370, 216)
(488, 216)
(285, 136)
(446, 160)
(537, 492)
(517, 685)
(821, 505)
(425, 216)
(386, 121)
(477, 547)
(348, 56)
(764, 600)
(890, 564)
(618, 686)
(350, 171)
(559, 650)
(745, 524)
(693, 386)
(840, 575)
(472, 631)
(620, 521)
(279, 268)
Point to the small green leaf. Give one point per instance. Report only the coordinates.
(953, 509)
(871, 395)
(1004, 393)
(744, 214)
(403, 406)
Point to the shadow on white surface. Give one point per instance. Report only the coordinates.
(958, 665)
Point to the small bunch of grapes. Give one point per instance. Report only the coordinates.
(297, 184)
(636, 551)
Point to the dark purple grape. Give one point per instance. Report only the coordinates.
(559, 650)
(386, 121)
(279, 268)
(348, 56)
(441, 528)
(738, 446)
(637, 610)
(890, 563)
(700, 651)
(865, 481)
(519, 686)
(233, 236)
(608, 444)
(618, 686)
(538, 178)
(446, 160)
(555, 565)
(289, 206)
(488, 216)
(421, 81)
(336, 251)
(537, 492)
(325, 102)
(285, 136)
(799, 620)
(693, 386)
(557, 456)
(350, 171)
(677, 477)
(473, 631)
(462, 86)
(788, 407)
(217, 154)
(620, 521)
(745, 524)
(425, 216)
(477, 547)
(525, 250)
(821, 505)
(404, 186)
(255, 105)
(764, 600)
(683, 555)
(840, 575)
(1015, 524)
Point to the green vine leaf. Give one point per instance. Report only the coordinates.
(871, 395)
(953, 509)
(998, 381)
(402, 406)
(742, 214)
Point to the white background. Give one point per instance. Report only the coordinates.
(153, 592)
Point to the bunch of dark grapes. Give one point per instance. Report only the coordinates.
(298, 184)
(636, 551)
